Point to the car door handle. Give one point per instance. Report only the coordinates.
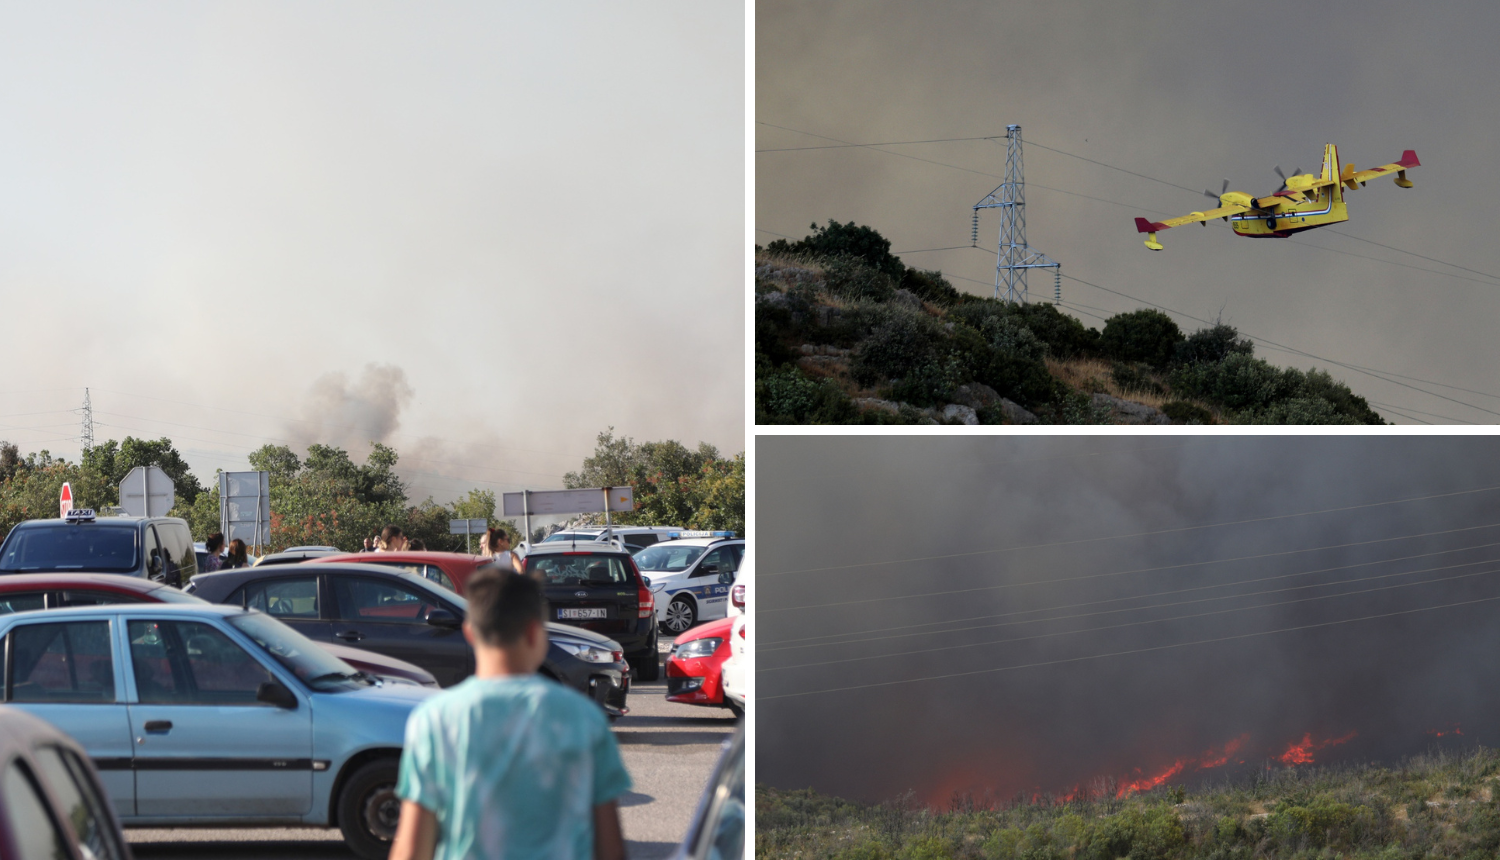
(158, 725)
(350, 635)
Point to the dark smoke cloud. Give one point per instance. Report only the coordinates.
(824, 502)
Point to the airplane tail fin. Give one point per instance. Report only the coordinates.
(1333, 170)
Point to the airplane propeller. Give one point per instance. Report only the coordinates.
(1221, 191)
(1296, 172)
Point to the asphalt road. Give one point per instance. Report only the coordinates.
(669, 749)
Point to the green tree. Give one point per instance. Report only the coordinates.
(1146, 335)
(105, 465)
(850, 239)
(672, 484)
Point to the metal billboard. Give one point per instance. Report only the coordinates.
(245, 507)
(594, 500)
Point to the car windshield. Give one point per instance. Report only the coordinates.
(82, 546)
(667, 558)
(301, 656)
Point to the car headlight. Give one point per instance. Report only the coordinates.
(698, 648)
(586, 652)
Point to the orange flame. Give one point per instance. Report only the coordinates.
(1211, 758)
(1301, 752)
(1452, 731)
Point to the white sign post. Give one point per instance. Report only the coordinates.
(147, 492)
(594, 500)
(468, 528)
(245, 507)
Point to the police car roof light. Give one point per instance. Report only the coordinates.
(698, 534)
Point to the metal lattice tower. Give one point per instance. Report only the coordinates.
(86, 437)
(1014, 257)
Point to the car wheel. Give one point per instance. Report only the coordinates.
(735, 709)
(369, 809)
(681, 616)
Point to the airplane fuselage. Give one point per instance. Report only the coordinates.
(1281, 215)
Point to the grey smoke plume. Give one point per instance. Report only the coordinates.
(1114, 539)
(352, 414)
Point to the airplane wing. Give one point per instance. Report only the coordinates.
(1354, 178)
(1144, 226)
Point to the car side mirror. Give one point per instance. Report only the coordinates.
(153, 565)
(443, 618)
(273, 693)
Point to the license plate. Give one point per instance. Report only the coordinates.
(581, 613)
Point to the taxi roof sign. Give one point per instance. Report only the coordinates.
(79, 515)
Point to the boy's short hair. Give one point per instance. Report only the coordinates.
(502, 604)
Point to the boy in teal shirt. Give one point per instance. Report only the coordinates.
(509, 764)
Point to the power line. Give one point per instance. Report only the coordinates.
(1150, 649)
(1177, 530)
(1146, 608)
(849, 145)
(775, 646)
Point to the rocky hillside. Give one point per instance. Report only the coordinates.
(854, 337)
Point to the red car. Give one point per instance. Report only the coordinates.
(448, 569)
(26, 591)
(694, 665)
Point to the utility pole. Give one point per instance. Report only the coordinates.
(86, 436)
(1014, 257)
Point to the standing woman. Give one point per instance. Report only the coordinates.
(497, 545)
(236, 557)
(391, 540)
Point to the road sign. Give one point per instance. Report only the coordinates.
(245, 507)
(467, 528)
(147, 492)
(594, 500)
(590, 501)
(65, 503)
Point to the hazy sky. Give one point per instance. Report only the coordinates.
(482, 233)
(1181, 91)
(886, 562)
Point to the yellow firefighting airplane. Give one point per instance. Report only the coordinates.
(1303, 201)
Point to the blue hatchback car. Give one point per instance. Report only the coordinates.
(211, 714)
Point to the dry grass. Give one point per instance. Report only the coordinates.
(1093, 376)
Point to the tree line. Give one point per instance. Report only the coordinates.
(325, 497)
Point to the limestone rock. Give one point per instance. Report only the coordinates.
(1130, 412)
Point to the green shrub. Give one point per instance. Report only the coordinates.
(1146, 335)
(1212, 344)
(1062, 335)
(1323, 823)
(930, 286)
(1183, 412)
(1238, 382)
(844, 240)
(1317, 383)
(1153, 833)
(851, 278)
(1297, 410)
(1134, 377)
(902, 343)
(786, 396)
(931, 848)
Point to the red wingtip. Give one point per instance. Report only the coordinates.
(1144, 226)
(1409, 159)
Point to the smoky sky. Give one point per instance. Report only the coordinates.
(218, 217)
(1191, 93)
(884, 562)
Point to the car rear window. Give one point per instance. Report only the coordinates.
(94, 546)
(579, 568)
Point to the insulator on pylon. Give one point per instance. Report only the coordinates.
(974, 233)
(1057, 285)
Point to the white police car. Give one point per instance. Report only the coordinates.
(691, 575)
